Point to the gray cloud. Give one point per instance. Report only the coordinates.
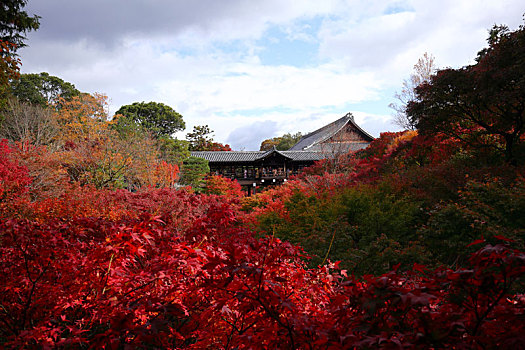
(106, 22)
(250, 136)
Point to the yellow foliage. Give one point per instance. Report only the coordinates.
(404, 137)
(84, 117)
(90, 151)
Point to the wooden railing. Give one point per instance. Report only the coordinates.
(257, 176)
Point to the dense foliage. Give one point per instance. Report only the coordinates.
(282, 143)
(168, 268)
(42, 89)
(480, 105)
(15, 22)
(193, 172)
(156, 117)
(406, 198)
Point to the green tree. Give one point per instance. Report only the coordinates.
(155, 117)
(482, 105)
(288, 140)
(485, 209)
(169, 149)
(367, 228)
(9, 70)
(201, 139)
(15, 23)
(282, 143)
(193, 172)
(42, 89)
(172, 150)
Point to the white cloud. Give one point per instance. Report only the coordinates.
(201, 57)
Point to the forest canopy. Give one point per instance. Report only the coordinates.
(482, 105)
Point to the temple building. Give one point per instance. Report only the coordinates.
(253, 169)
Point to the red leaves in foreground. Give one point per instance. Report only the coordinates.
(169, 269)
(131, 281)
(14, 179)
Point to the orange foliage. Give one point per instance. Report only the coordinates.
(83, 118)
(93, 153)
(164, 175)
(215, 146)
(219, 185)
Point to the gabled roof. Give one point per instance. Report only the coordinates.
(253, 156)
(313, 139)
(271, 152)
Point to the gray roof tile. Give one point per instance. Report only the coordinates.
(252, 156)
(227, 156)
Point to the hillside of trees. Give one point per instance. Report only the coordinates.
(108, 240)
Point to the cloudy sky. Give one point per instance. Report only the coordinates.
(255, 69)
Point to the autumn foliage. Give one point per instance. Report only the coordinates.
(174, 269)
(14, 179)
(415, 242)
(220, 185)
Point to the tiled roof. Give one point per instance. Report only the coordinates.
(252, 156)
(313, 139)
(228, 156)
(338, 148)
(309, 148)
(305, 155)
(268, 153)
